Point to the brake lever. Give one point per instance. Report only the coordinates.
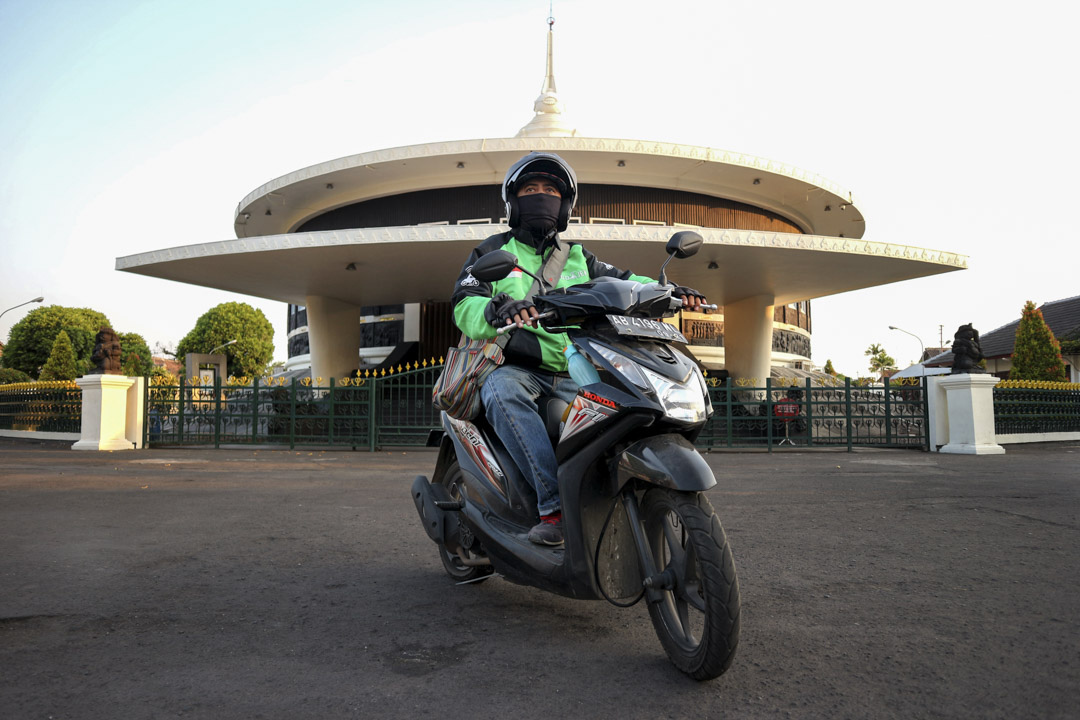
(508, 328)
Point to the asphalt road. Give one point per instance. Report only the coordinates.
(274, 584)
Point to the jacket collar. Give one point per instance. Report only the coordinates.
(540, 245)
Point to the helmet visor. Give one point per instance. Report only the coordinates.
(531, 175)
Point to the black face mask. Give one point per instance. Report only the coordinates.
(539, 213)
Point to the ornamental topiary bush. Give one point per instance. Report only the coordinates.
(1036, 353)
(62, 363)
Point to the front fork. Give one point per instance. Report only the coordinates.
(655, 582)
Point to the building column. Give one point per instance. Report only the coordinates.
(333, 336)
(748, 326)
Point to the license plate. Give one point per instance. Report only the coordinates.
(645, 328)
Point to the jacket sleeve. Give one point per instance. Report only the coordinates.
(599, 268)
(471, 295)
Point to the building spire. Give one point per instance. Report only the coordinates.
(548, 120)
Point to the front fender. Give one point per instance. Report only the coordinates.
(669, 461)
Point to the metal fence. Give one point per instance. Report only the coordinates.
(812, 414)
(50, 406)
(391, 409)
(394, 409)
(1033, 407)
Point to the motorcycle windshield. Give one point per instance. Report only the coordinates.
(607, 296)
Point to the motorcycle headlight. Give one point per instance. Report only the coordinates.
(684, 402)
(681, 401)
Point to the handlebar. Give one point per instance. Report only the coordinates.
(676, 304)
(508, 328)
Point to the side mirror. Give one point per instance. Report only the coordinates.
(683, 244)
(494, 266)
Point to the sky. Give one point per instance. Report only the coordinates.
(134, 126)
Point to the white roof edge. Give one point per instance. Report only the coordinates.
(525, 144)
(362, 236)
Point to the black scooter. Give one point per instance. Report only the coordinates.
(635, 521)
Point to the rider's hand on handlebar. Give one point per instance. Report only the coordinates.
(692, 300)
(504, 310)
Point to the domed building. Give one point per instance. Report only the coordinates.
(365, 249)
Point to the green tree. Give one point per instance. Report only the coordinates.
(880, 361)
(9, 375)
(1036, 352)
(135, 358)
(229, 321)
(31, 339)
(62, 363)
(829, 368)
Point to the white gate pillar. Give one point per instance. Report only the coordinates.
(968, 412)
(112, 412)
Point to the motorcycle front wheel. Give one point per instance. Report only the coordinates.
(697, 616)
(451, 561)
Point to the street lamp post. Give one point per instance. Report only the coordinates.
(922, 368)
(37, 299)
(221, 347)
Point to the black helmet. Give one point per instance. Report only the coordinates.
(545, 164)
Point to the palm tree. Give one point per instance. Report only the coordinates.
(880, 361)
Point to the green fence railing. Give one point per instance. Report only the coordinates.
(810, 414)
(49, 406)
(1034, 407)
(394, 409)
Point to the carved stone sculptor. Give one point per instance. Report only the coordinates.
(966, 351)
(106, 357)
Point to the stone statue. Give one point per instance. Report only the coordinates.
(106, 357)
(966, 351)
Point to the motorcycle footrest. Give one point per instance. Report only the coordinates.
(450, 505)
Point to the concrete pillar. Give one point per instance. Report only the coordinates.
(111, 413)
(333, 336)
(748, 326)
(938, 412)
(970, 410)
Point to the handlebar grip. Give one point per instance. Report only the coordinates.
(508, 328)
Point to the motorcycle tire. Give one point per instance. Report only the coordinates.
(451, 561)
(697, 617)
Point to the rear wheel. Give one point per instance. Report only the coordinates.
(697, 617)
(452, 561)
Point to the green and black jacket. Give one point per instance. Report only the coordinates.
(529, 347)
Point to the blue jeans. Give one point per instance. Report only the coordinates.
(509, 396)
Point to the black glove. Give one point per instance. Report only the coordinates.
(683, 291)
(688, 292)
(502, 308)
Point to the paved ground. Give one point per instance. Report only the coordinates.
(275, 584)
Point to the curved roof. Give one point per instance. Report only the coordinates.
(390, 265)
(814, 204)
(414, 264)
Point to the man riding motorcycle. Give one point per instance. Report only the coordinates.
(540, 191)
